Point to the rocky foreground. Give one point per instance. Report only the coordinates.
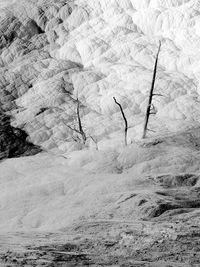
(109, 243)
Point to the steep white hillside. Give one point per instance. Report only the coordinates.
(96, 49)
(121, 206)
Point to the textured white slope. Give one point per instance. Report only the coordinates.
(46, 192)
(97, 49)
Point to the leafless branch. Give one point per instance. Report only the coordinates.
(95, 141)
(125, 121)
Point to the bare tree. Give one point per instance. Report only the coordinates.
(80, 130)
(150, 107)
(125, 121)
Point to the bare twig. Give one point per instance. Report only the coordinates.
(95, 141)
(158, 95)
(73, 129)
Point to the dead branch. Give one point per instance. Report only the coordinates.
(125, 121)
(84, 138)
(95, 141)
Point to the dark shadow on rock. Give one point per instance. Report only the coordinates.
(13, 140)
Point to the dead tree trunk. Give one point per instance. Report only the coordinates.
(125, 121)
(81, 131)
(151, 94)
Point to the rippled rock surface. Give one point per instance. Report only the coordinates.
(53, 52)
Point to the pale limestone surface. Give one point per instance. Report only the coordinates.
(53, 51)
(155, 180)
(144, 196)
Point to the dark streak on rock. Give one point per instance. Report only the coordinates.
(13, 140)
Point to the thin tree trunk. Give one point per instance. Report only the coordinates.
(125, 121)
(148, 111)
(79, 123)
